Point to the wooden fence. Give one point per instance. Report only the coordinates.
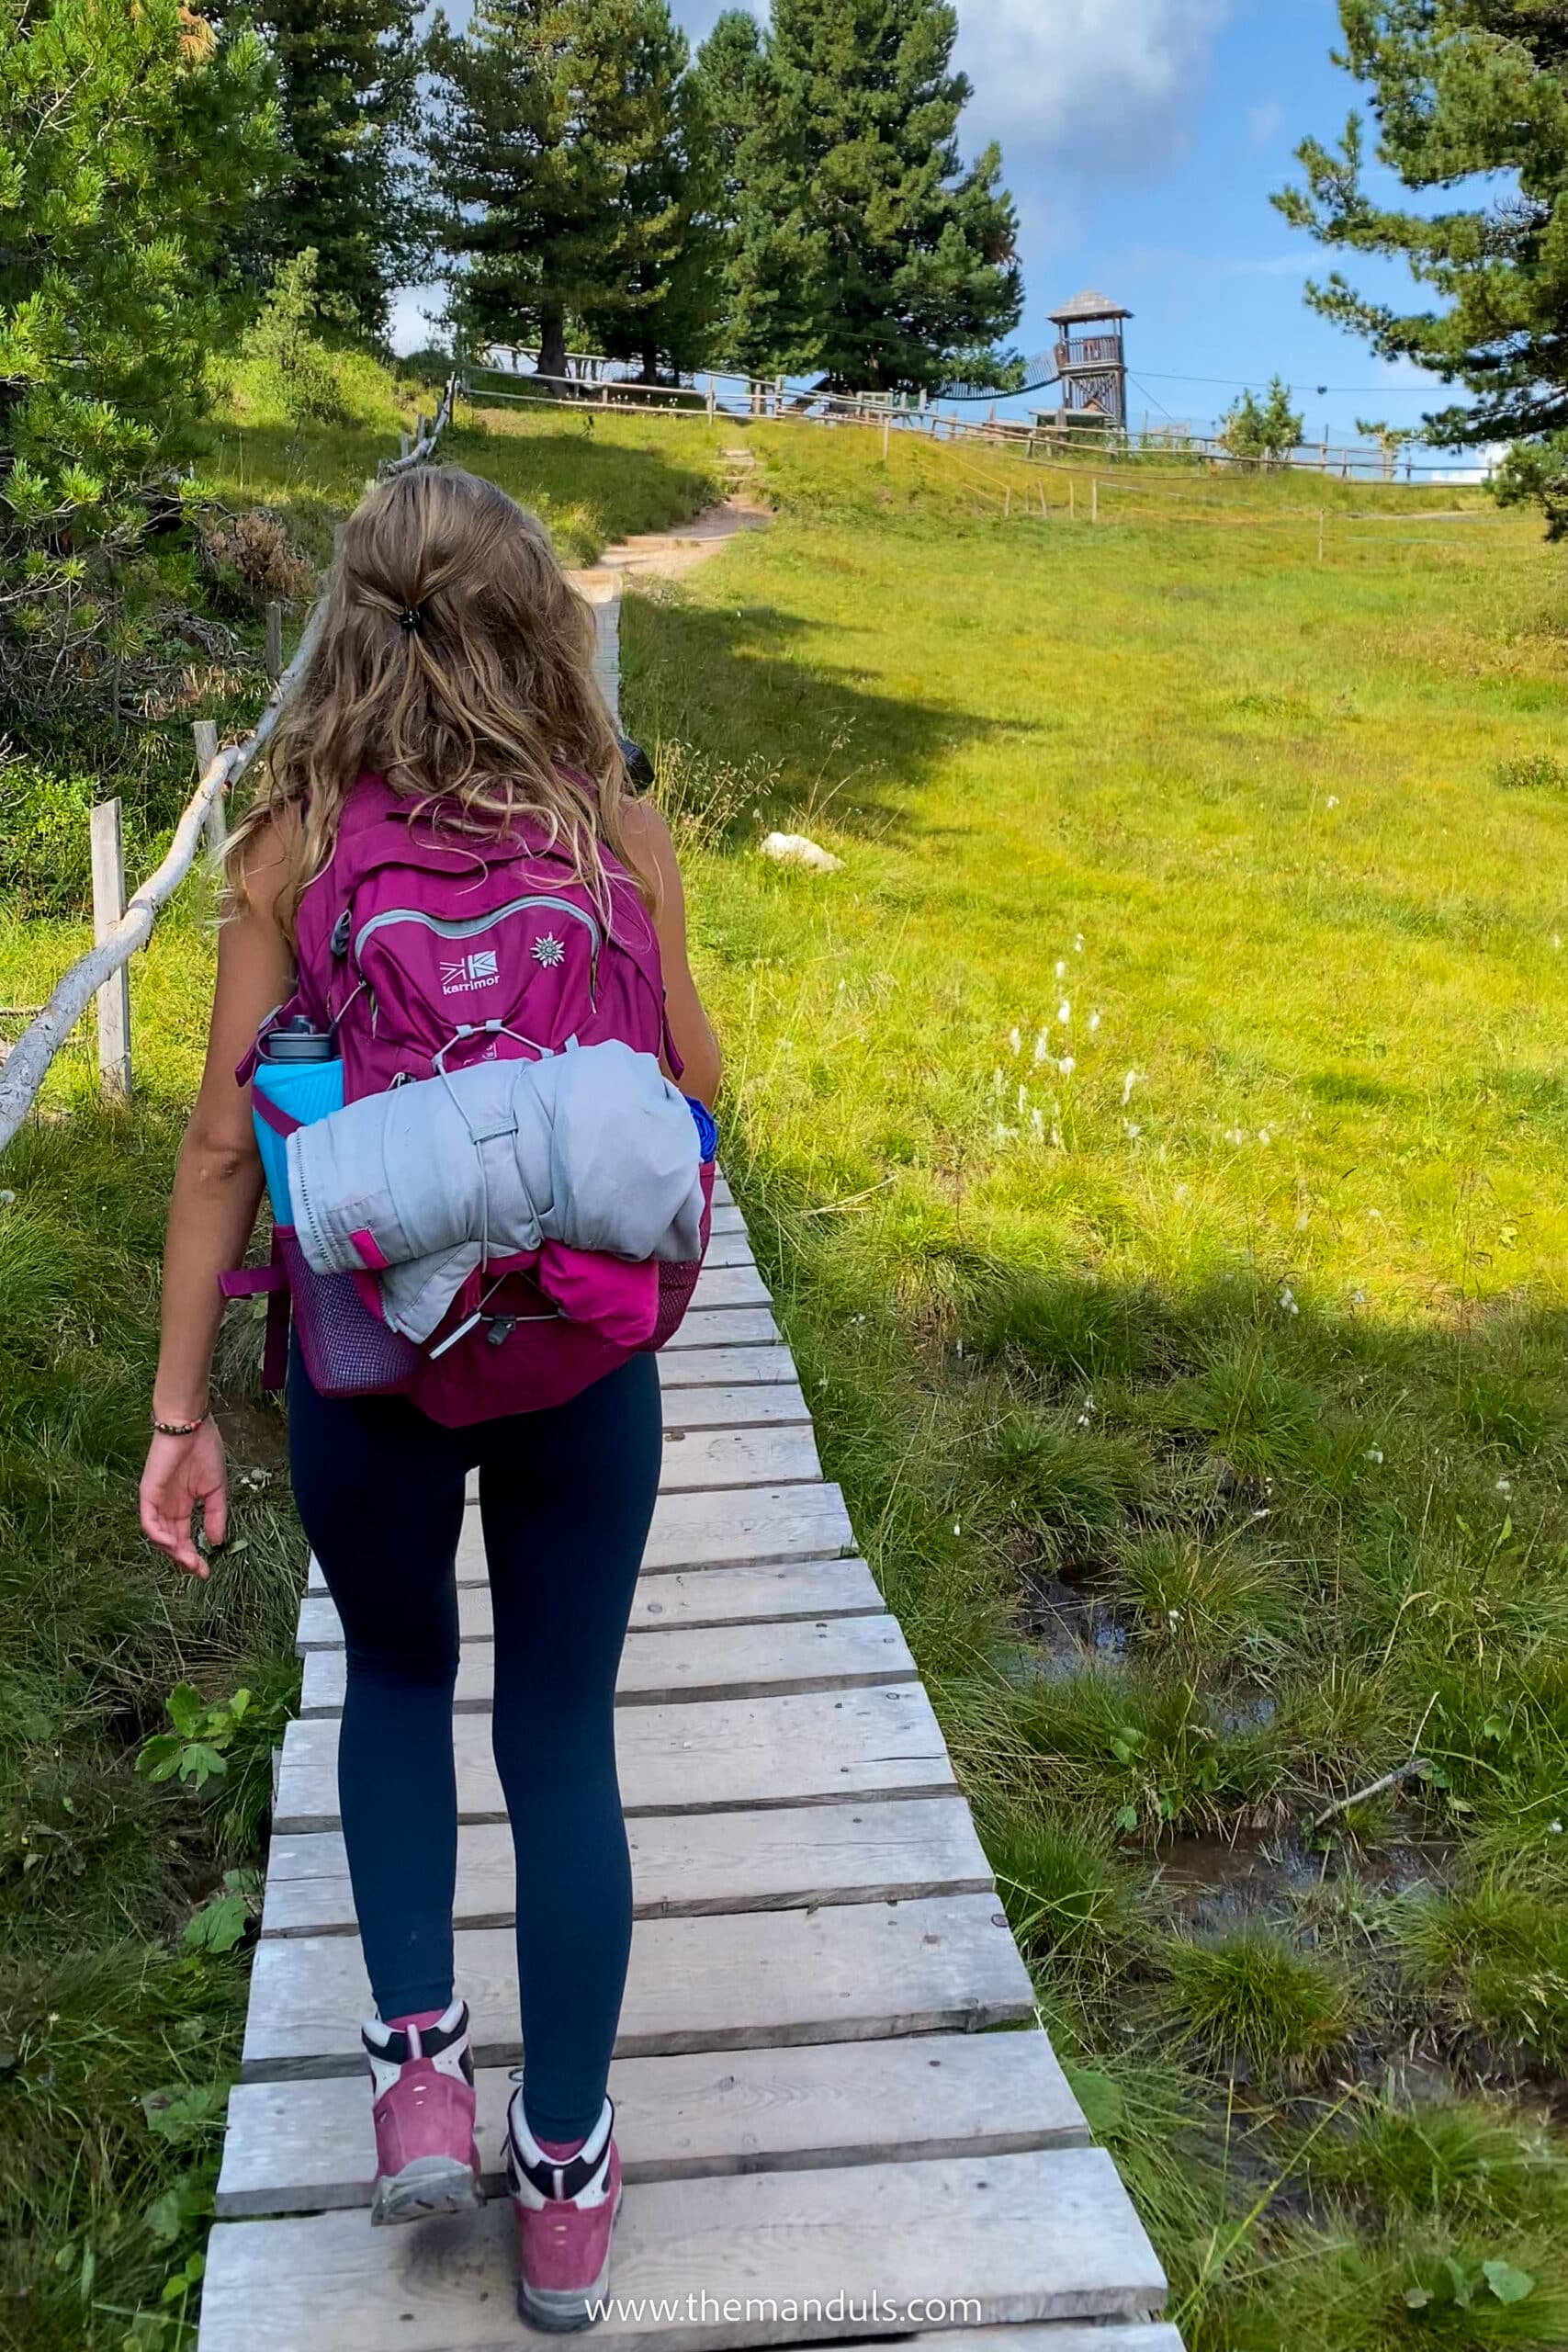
(591, 379)
(121, 928)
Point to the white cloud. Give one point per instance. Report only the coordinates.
(1112, 83)
(1265, 121)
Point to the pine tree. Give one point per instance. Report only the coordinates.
(133, 143)
(668, 288)
(568, 146)
(864, 247)
(727, 71)
(1265, 431)
(347, 83)
(1459, 87)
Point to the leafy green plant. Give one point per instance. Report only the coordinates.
(197, 1749)
(222, 1922)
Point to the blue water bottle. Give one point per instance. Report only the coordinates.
(301, 1071)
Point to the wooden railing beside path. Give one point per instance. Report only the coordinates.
(838, 2111)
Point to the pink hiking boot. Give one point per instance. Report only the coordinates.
(422, 2069)
(566, 2202)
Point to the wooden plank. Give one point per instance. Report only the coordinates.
(697, 1459)
(847, 1971)
(810, 1748)
(723, 1198)
(732, 1528)
(731, 1248)
(672, 1603)
(738, 1327)
(307, 2147)
(807, 2256)
(721, 1662)
(707, 1363)
(720, 1286)
(756, 1405)
(684, 1864)
(726, 1218)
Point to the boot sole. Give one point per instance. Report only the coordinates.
(428, 2185)
(558, 2310)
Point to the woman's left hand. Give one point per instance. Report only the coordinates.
(183, 1475)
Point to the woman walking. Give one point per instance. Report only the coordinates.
(450, 711)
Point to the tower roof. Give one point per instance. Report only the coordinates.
(1087, 305)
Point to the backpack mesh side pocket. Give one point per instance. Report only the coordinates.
(347, 1349)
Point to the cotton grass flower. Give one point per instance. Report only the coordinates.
(1133, 1077)
(1067, 1064)
(1061, 968)
(1041, 1048)
(1064, 1012)
(1015, 1041)
(1093, 1024)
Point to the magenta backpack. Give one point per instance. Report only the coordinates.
(417, 942)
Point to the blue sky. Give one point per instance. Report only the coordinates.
(1141, 139)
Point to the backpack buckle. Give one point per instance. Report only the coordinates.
(340, 937)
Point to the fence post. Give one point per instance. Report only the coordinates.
(274, 642)
(887, 434)
(403, 445)
(1094, 501)
(713, 395)
(216, 823)
(108, 905)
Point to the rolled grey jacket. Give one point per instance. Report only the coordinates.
(592, 1147)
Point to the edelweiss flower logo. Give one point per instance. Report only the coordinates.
(549, 951)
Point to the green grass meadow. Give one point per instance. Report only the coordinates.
(1153, 1136)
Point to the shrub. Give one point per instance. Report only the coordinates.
(45, 841)
(1533, 772)
(252, 550)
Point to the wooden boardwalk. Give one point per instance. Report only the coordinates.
(819, 2141)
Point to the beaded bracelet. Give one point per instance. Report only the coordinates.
(180, 1428)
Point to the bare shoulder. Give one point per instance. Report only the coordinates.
(267, 861)
(644, 828)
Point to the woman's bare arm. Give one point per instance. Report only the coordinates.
(647, 837)
(218, 1189)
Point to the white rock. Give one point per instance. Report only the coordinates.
(793, 849)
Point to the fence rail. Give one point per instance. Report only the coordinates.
(122, 929)
(591, 376)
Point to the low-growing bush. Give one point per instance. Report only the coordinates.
(1533, 772)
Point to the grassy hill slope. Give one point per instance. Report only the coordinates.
(1153, 1135)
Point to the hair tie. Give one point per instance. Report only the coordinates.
(412, 618)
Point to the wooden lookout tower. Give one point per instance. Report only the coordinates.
(1091, 358)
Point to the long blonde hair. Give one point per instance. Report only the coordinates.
(456, 659)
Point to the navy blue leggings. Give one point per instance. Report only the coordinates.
(566, 1497)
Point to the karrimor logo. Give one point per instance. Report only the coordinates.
(475, 971)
